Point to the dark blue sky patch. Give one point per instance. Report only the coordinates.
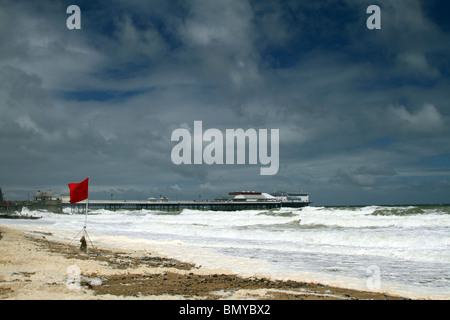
(382, 142)
(100, 96)
(438, 11)
(439, 161)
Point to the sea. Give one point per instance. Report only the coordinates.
(401, 250)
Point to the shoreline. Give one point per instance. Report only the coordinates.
(36, 268)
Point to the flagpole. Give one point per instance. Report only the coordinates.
(85, 219)
(87, 207)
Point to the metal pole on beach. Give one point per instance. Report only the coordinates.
(87, 208)
(85, 220)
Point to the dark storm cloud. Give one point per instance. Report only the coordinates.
(358, 110)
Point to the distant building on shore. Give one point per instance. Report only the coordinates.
(42, 201)
(42, 196)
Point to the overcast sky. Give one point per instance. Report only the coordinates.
(363, 114)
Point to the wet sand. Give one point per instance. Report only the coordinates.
(34, 267)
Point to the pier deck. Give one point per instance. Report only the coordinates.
(175, 205)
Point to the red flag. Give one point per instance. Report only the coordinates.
(79, 191)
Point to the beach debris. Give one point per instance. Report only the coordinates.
(83, 246)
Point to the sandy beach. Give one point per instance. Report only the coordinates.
(35, 267)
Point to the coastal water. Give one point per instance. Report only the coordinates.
(398, 249)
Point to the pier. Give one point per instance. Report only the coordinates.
(174, 205)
